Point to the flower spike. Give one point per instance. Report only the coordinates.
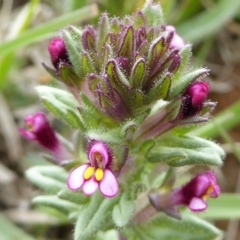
(95, 174)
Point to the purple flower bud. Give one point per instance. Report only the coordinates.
(40, 130)
(194, 98)
(95, 174)
(194, 195)
(177, 41)
(58, 52)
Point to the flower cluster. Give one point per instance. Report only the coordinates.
(130, 83)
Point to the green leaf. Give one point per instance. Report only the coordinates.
(102, 32)
(94, 217)
(139, 20)
(62, 104)
(51, 71)
(59, 204)
(128, 130)
(161, 89)
(72, 196)
(123, 211)
(209, 22)
(185, 54)
(48, 29)
(127, 46)
(116, 75)
(179, 86)
(8, 231)
(166, 228)
(87, 64)
(52, 179)
(154, 14)
(157, 48)
(184, 150)
(226, 206)
(74, 51)
(138, 73)
(109, 235)
(68, 76)
(108, 136)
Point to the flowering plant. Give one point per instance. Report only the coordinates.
(130, 95)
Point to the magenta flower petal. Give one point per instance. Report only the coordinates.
(101, 149)
(76, 177)
(201, 184)
(90, 186)
(27, 134)
(215, 192)
(197, 204)
(109, 185)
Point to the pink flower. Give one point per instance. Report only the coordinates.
(194, 195)
(58, 52)
(194, 98)
(39, 129)
(177, 41)
(95, 174)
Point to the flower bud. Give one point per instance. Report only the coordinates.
(177, 41)
(195, 96)
(40, 130)
(58, 52)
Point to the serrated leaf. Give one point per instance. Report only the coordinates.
(60, 103)
(52, 179)
(123, 211)
(59, 204)
(163, 227)
(179, 86)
